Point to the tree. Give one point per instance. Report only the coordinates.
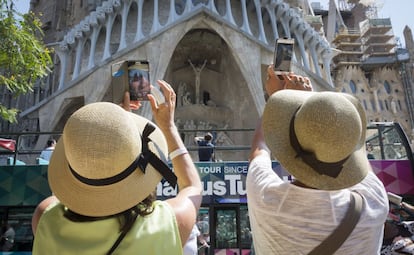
(23, 56)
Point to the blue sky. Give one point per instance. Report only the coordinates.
(400, 12)
(22, 5)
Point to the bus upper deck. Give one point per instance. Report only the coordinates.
(223, 217)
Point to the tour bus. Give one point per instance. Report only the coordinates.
(223, 218)
(391, 157)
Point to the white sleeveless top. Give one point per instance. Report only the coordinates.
(287, 219)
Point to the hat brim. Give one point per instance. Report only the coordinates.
(277, 115)
(109, 199)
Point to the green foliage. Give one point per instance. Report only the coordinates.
(23, 56)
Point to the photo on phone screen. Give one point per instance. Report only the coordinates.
(138, 80)
(283, 55)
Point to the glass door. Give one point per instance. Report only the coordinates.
(226, 231)
(231, 230)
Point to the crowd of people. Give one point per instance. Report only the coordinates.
(105, 168)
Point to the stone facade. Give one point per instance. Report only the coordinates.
(214, 53)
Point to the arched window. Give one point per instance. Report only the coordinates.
(387, 87)
(352, 86)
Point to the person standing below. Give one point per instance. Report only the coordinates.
(47, 152)
(319, 138)
(206, 147)
(104, 173)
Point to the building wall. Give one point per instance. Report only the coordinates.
(382, 95)
(382, 102)
(380, 87)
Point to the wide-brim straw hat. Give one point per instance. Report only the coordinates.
(318, 137)
(87, 171)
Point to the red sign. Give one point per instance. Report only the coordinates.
(8, 144)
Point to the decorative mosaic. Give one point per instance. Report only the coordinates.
(23, 185)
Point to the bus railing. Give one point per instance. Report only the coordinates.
(27, 150)
(25, 146)
(386, 138)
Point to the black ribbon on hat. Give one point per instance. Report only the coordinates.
(144, 158)
(148, 157)
(323, 168)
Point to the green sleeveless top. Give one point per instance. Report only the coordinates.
(154, 234)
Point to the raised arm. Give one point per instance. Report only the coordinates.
(274, 84)
(258, 144)
(187, 202)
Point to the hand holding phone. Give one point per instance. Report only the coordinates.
(283, 56)
(132, 76)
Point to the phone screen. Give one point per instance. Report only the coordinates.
(283, 55)
(138, 80)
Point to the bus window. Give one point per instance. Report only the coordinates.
(226, 230)
(391, 158)
(393, 146)
(385, 142)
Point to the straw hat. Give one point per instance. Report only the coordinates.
(95, 169)
(318, 137)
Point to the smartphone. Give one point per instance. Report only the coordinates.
(132, 76)
(138, 80)
(283, 56)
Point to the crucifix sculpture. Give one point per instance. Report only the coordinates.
(197, 72)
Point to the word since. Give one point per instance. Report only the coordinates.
(226, 169)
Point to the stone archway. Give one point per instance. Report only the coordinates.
(68, 107)
(211, 91)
